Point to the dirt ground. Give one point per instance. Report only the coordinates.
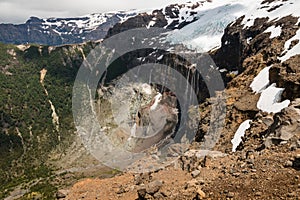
(269, 174)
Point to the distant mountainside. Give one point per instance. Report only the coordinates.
(59, 31)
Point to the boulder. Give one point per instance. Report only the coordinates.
(286, 123)
(153, 186)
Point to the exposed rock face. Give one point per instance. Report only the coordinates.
(287, 76)
(139, 21)
(145, 118)
(239, 43)
(170, 17)
(286, 124)
(249, 50)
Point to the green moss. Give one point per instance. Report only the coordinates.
(27, 134)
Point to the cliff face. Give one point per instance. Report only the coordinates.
(253, 51)
(172, 17)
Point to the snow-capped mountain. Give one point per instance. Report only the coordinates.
(201, 23)
(214, 16)
(57, 31)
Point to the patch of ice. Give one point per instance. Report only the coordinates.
(261, 81)
(275, 31)
(270, 98)
(160, 57)
(237, 139)
(223, 70)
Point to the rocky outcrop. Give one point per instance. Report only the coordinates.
(249, 50)
(287, 75)
(286, 125)
(239, 43)
(145, 118)
(174, 16)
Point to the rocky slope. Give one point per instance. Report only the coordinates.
(262, 107)
(36, 119)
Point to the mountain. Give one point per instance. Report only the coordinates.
(254, 45)
(58, 31)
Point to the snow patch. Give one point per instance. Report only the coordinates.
(294, 50)
(223, 70)
(83, 23)
(261, 81)
(270, 98)
(151, 23)
(237, 139)
(273, 10)
(160, 57)
(275, 31)
(249, 40)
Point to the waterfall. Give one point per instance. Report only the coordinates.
(150, 77)
(191, 89)
(187, 83)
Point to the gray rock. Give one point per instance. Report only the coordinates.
(288, 163)
(61, 194)
(153, 187)
(268, 120)
(158, 195)
(195, 173)
(287, 124)
(230, 194)
(201, 194)
(141, 193)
